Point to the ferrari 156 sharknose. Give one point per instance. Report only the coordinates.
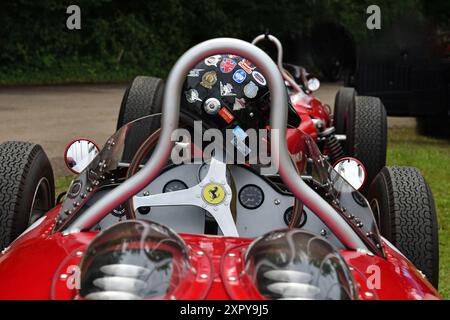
(136, 225)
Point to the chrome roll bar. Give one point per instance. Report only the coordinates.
(169, 122)
(277, 44)
(279, 47)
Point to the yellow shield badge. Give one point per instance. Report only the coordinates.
(213, 193)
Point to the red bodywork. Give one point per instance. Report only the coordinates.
(36, 266)
(308, 108)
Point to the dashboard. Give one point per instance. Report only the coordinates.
(259, 205)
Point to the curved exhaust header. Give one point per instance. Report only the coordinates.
(169, 122)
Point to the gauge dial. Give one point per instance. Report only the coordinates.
(251, 196)
(119, 211)
(288, 217)
(174, 185)
(74, 189)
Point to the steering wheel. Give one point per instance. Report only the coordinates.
(212, 193)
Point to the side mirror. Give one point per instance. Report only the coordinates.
(313, 84)
(79, 153)
(351, 170)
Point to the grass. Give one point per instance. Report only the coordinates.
(432, 157)
(62, 184)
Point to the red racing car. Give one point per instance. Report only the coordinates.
(153, 215)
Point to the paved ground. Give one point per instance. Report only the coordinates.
(53, 115)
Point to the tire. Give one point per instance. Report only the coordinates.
(27, 188)
(345, 99)
(404, 207)
(142, 98)
(366, 130)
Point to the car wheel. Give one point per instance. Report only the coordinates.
(143, 97)
(27, 188)
(403, 205)
(366, 130)
(345, 99)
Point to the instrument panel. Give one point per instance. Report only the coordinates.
(259, 207)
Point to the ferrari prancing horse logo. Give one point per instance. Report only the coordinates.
(213, 193)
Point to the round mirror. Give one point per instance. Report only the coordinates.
(351, 170)
(79, 153)
(313, 84)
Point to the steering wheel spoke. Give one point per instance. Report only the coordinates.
(186, 197)
(224, 218)
(212, 194)
(217, 172)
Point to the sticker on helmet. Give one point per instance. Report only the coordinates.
(227, 65)
(226, 90)
(195, 72)
(238, 141)
(226, 114)
(247, 66)
(212, 105)
(209, 79)
(251, 90)
(213, 60)
(259, 78)
(240, 133)
(239, 76)
(192, 96)
(238, 104)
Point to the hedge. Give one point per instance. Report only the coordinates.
(120, 39)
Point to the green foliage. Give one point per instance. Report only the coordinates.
(120, 39)
(438, 11)
(117, 40)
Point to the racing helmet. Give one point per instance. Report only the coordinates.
(227, 90)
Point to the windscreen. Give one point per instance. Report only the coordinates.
(134, 260)
(350, 203)
(108, 167)
(111, 164)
